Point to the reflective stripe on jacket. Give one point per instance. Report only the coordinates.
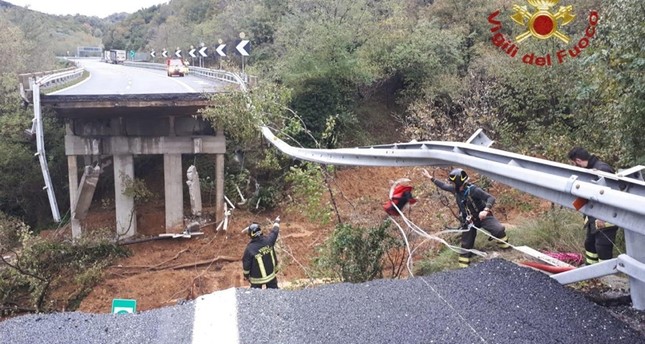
(260, 261)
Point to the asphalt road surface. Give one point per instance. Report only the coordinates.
(108, 78)
(492, 302)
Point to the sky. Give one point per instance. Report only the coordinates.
(98, 8)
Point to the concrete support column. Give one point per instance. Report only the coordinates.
(72, 170)
(219, 187)
(126, 216)
(634, 243)
(174, 194)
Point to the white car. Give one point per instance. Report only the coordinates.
(176, 67)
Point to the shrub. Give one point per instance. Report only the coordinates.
(9, 231)
(42, 264)
(356, 254)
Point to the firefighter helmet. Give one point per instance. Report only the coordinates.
(458, 176)
(254, 230)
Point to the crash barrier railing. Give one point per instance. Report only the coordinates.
(47, 79)
(35, 84)
(31, 84)
(616, 198)
(221, 75)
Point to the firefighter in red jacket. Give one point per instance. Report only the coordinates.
(260, 262)
(474, 207)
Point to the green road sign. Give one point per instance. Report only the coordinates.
(124, 306)
(131, 53)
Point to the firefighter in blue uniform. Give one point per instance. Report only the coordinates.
(260, 262)
(474, 207)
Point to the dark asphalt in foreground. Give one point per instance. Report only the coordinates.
(492, 302)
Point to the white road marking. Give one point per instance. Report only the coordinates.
(185, 86)
(72, 86)
(216, 317)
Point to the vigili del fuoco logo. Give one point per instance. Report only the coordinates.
(542, 22)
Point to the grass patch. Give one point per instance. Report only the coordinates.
(446, 259)
(557, 230)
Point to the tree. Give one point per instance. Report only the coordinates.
(618, 80)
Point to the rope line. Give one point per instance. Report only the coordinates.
(416, 229)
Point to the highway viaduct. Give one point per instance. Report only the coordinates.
(127, 124)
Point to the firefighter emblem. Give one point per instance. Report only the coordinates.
(542, 24)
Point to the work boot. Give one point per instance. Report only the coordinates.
(464, 262)
(591, 258)
(503, 244)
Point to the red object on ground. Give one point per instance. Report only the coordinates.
(567, 257)
(401, 196)
(547, 267)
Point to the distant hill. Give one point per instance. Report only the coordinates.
(4, 4)
(55, 33)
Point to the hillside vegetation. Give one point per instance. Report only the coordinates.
(362, 72)
(343, 73)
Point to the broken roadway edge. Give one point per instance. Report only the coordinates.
(494, 301)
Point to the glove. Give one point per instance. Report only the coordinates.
(427, 174)
(277, 219)
(600, 224)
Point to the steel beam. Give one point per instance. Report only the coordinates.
(615, 198)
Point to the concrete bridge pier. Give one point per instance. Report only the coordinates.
(126, 216)
(125, 126)
(173, 191)
(219, 187)
(72, 168)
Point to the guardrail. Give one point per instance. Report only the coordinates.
(47, 79)
(222, 75)
(616, 198)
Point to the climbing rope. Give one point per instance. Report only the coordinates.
(416, 229)
(436, 237)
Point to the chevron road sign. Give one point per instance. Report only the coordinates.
(202, 51)
(220, 50)
(241, 47)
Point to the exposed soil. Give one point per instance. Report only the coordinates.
(165, 272)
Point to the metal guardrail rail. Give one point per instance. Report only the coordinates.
(47, 80)
(35, 84)
(616, 198)
(221, 75)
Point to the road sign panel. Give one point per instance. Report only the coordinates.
(202, 51)
(241, 47)
(192, 52)
(220, 50)
(124, 306)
